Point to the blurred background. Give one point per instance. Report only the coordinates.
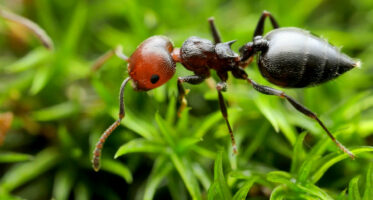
(53, 107)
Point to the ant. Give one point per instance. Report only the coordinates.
(287, 57)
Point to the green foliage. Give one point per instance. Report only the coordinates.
(301, 183)
(61, 106)
(219, 188)
(174, 150)
(24, 172)
(9, 157)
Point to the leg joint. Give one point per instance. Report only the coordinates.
(221, 86)
(266, 13)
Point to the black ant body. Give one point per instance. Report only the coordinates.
(287, 57)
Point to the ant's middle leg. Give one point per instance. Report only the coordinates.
(260, 26)
(214, 31)
(193, 79)
(222, 86)
(271, 91)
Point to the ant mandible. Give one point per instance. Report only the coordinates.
(287, 57)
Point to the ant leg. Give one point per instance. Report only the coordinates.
(118, 51)
(260, 26)
(248, 50)
(271, 91)
(193, 79)
(32, 26)
(108, 131)
(214, 30)
(222, 86)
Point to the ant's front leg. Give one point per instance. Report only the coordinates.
(118, 51)
(193, 79)
(98, 148)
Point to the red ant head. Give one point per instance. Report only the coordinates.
(152, 65)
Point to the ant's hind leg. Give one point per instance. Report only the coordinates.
(214, 30)
(248, 50)
(260, 26)
(271, 91)
(118, 51)
(194, 79)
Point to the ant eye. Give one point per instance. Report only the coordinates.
(154, 78)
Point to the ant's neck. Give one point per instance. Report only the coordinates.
(176, 55)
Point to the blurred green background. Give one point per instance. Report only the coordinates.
(60, 107)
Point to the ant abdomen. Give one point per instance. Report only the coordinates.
(295, 58)
(151, 65)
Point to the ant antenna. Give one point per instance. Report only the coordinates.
(118, 51)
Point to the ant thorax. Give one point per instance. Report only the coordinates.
(200, 55)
